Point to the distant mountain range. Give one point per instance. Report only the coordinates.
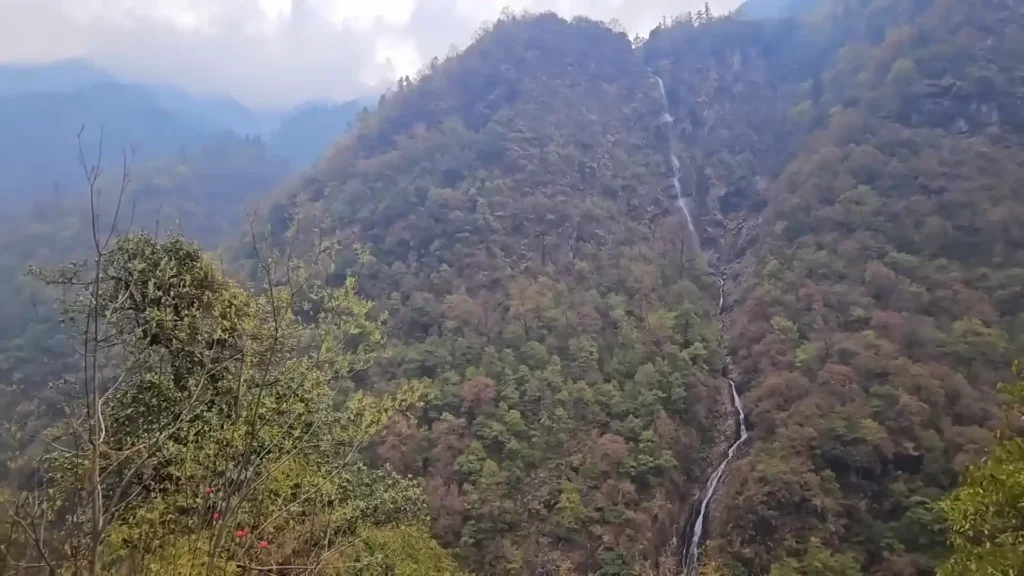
(43, 108)
(63, 76)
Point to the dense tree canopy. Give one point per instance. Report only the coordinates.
(879, 305)
(206, 411)
(985, 515)
(547, 339)
(534, 270)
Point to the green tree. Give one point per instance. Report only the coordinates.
(216, 431)
(818, 561)
(985, 513)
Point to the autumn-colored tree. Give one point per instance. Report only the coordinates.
(985, 514)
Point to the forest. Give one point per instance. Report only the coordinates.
(493, 329)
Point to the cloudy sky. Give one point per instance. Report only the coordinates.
(277, 52)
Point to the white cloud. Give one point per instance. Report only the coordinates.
(276, 52)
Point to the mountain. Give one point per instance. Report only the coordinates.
(38, 148)
(859, 174)
(307, 132)
(62, 76)
(731, 300)
(850, 176)
(525, 243)
(69, 76)
(224, 113)
(43, 108)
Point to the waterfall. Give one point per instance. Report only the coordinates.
(693, 552)
(666, 118)
(691, 559)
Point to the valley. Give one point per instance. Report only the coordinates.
(739, 297)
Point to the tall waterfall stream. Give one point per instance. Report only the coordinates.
(691, 558)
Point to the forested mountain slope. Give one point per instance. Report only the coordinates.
(307, 132)
(38, 150)
(526, 246)
(880, 305)
(855, 174)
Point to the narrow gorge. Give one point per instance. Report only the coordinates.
(695, 530)
(692, 556)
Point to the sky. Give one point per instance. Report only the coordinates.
(271, 53)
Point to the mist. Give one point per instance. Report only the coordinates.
(273, 53)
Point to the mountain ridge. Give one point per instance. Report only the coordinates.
(853, 267)
(43, 108)
(751, 101)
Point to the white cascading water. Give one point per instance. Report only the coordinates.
(693, 553)
(692, 557)
(666, 118)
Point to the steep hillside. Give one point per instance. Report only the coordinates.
(525, 243)
(852, 174)
(878, 303)
(850, 260)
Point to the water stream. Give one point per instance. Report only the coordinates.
(691, 558)
(666, 118)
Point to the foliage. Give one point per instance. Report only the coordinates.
(537, 280)
(818, 561)
(986, 512)
(854, 172)
(198, 194)
(218, 411)
(862, 164)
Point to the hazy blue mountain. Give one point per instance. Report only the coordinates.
(221, 111)
(43, 107)
(38, 147)
(307, 131)
(74, 75)
(62, 76)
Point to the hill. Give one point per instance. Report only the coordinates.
(535, 275)
(579, 246)
(850, 173)
(43, 107)
(871, 312)
(38, 150)
(62, 76)
(305, 133)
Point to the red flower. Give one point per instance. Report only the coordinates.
(264, 544)
(245, 531)
(216, 516)
(239, 534)
(207, 491)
